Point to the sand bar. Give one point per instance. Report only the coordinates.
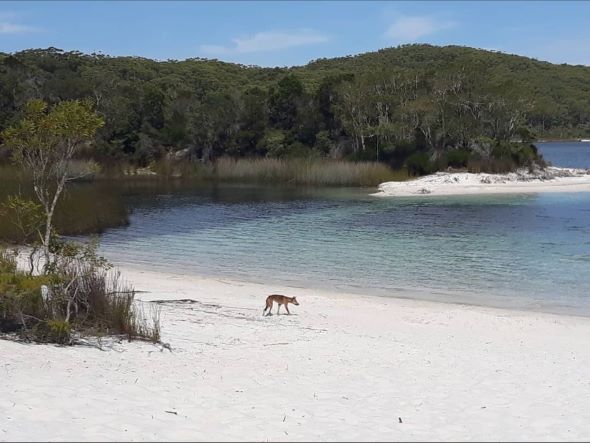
(551, 179)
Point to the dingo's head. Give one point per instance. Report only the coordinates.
(294, 301)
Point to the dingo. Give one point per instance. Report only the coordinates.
(281, 300)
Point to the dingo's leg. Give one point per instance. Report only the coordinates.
(269, 307)
(287, 308)
(278, 308)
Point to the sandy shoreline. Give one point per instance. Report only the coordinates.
(344, 367)
(462, 183)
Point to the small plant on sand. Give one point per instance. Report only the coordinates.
(79, 294)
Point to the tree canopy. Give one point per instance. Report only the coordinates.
(44, 142)
(405, 106)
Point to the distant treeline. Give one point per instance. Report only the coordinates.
(418, 106)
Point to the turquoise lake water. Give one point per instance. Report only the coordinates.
(522, 251)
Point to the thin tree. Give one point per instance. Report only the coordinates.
(44, 142)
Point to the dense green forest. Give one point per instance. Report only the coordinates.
(420, 106)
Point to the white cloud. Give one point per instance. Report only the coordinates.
(267, 41)
(412, 28)
(8, 25)
(13, 28)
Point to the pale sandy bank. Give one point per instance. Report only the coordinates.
(551, 179)
(343, 367)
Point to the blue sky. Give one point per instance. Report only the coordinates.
(291, 33)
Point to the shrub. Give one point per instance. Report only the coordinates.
(273, 143)
(458, 158)
(419, 164)
(323, 143)
(79, 293)
(51, 331)
(7, 261)
(298, 150)
(24, 219)
(491, 165)
(505, 157)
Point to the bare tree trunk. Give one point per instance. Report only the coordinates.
(71, 297)
(32, 255)
(377, 148)
(49, 212)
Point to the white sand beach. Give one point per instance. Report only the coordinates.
(342, 367)
(552, 179)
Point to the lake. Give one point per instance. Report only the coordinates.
(519, 251)
(569, 155)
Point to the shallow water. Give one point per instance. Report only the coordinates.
(522, 251)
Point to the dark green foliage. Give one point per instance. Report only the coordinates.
(419, 164)
(51, 331)
(458, 158)
(23, 219)
(385, 105)
(518, 154)
(285, 102)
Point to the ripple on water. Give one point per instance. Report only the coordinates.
(521, 251)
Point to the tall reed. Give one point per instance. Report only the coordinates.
(303, 171)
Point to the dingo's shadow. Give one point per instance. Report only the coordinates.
(279, 315)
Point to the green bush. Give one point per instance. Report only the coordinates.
(299, 150)
(419, 164)
(82, 295)
(51, 331)
(323, 143)
(458, 158)
(513, 155)
(7, 262)
(273, 143)
(490, 165)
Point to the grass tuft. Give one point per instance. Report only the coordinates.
(80, 295)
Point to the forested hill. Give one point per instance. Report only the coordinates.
(390, 104)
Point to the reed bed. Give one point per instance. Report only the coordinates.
(304, 172)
